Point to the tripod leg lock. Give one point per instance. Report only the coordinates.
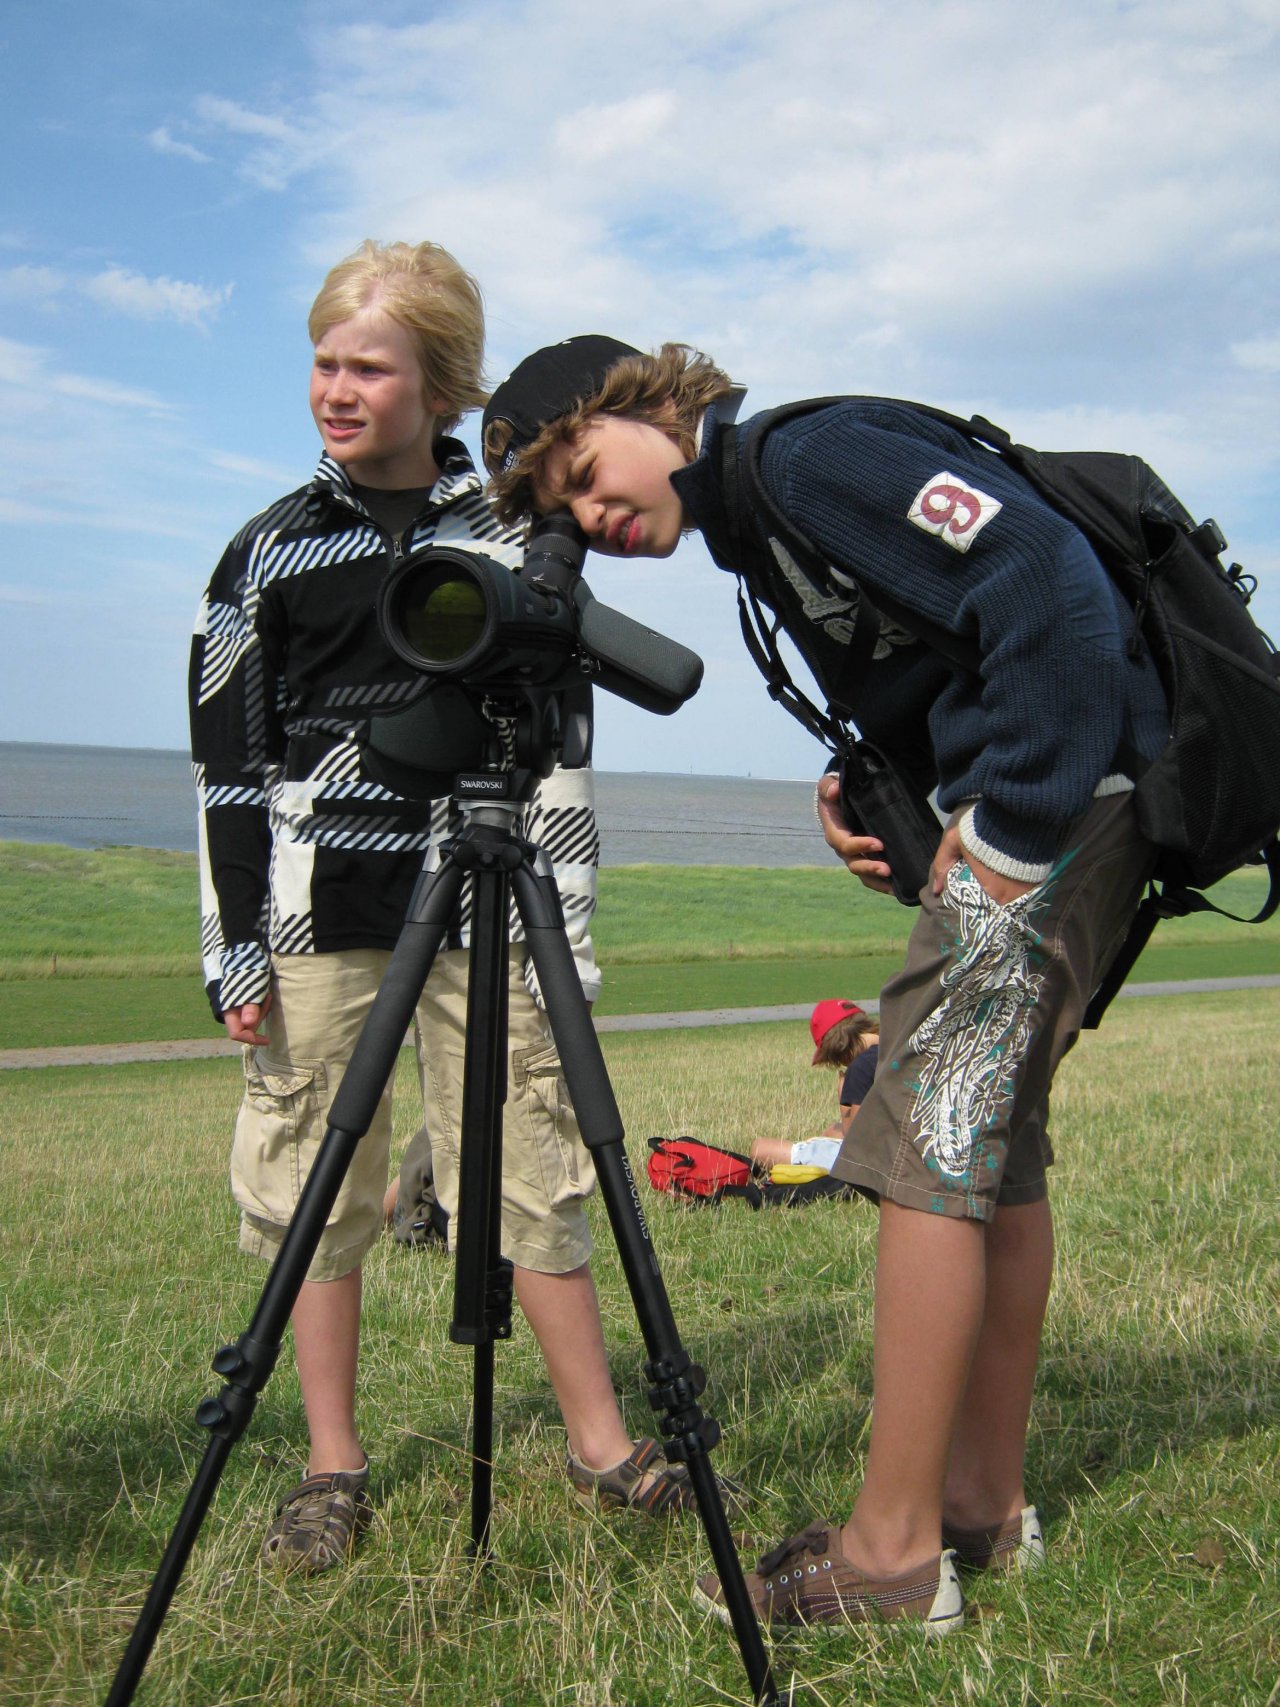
(247, 1367)
(677, 1382)
(497, 1299)
(691, 1437)
(494, 1319)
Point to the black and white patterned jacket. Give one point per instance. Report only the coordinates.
(300, 851)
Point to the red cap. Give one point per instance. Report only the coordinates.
(827, 1014)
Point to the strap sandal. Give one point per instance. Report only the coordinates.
(1015, 1544)
(648, 1481)
(807, 1580)
(422, 1223)
(316, 1523)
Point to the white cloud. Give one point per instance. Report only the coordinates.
(253, 468)
(241, 120)
(35, 287)
(163, 141)
(1259, 355)
(1065, 217)
(40, 394)
(64, 441)
(808, 174)
(20, 364)
(280, 148)
(107, 392)
(13, 595)
(638, 122)
(141, 298)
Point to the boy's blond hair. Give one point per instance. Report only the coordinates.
(669, 390)
(423, 289)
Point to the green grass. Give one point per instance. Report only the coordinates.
(101, 947)
(104, 912)
(1155, 1446)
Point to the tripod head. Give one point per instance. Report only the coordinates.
(508, 660)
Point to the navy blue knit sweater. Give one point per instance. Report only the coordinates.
(906, 506)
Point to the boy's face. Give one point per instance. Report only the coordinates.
(368, 400)
(615, 478)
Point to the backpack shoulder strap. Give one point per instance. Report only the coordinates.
(760, 630)
(749, 493)
(1173, 901)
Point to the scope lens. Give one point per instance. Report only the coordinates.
(443, 615)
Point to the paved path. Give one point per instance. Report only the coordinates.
(111, 1054)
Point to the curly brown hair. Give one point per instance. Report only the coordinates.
(668, 390)
(847, 1038)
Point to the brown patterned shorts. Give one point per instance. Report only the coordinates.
(973, 1027)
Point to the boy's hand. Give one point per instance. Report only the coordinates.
(859, 853)
(242, 1023)
(951, 851)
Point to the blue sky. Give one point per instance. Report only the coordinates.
(1064, 216)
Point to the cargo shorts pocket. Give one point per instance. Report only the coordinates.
(538, 1085)
(278, 1130)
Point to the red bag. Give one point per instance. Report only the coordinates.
(701, 1173)
(686, 1167)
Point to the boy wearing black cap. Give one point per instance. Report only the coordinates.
(1035, 880)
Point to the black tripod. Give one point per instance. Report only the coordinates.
(499, 863)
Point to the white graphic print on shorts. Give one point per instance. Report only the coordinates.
(971, 1044)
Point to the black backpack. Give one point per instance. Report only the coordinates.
(1211, 801)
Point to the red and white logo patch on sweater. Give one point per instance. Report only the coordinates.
(956, 512)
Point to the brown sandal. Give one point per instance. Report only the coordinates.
(317, 1522)
(648, 1480)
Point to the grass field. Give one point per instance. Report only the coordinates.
(102, 946)
(1155, 1450)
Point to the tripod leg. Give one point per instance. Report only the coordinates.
(246, 1366)
(677, 1380)
(482, 1279)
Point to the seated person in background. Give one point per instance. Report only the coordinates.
(847, 1038)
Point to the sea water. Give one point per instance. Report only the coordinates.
(89, 797)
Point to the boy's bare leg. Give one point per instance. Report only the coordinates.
(564, 1314)
(767, 1152)
(562, 1311)
(326, 1342)
(985, 1480)
(928, 1316)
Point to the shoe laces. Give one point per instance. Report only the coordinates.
(810, 1540)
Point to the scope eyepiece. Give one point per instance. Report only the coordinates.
(556, 552)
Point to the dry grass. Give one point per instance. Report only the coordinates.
(1154, 1451)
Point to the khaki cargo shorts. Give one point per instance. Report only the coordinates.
(319, 1006)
